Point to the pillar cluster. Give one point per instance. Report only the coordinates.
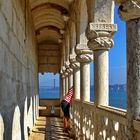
(99, 34)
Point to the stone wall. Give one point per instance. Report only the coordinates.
(18, 70)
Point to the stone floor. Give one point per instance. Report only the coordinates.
(50, 128)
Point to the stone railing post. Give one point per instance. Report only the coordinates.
(84, 56)
(129, 11)
(100, 41)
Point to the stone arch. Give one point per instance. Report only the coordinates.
(1, 128)
(16, 126)
(30, 115)
(83, 21)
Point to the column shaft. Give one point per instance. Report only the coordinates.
(101, 77)
(61, 93)
(63, 87)
(70, 83)
(66, 85)
(76, 83)
(85, 81)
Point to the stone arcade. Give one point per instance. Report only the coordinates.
(65, 36)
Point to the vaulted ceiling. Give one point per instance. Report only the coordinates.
(50, 17)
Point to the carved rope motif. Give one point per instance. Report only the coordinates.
(73, 62)
(84, 54)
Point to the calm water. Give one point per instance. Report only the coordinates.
(117, 98)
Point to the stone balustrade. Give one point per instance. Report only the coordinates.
(111, 121)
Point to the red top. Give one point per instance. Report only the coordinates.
(68, 97)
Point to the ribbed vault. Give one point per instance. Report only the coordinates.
(49, 23)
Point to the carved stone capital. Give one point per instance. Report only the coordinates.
(63, 69)
(62, 74)
(67, 63)
(66, 73)
(69, 71)
(129, 10)
(73, 62)
(84, 54)
(100, 43)
(100, 35)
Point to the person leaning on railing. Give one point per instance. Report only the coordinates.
(65, 105)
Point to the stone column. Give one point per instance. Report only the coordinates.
(70, 77)
(61, 90)
(63, 81)
(75, 65)
(99, 34)
(66, 79)
(66, 82)
(76, 76)
(84, 56)
(129, 11)
(100, 41)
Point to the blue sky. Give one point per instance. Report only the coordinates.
(117, 59)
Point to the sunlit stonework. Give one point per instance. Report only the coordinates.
(64, 37)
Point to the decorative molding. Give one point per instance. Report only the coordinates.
(100, 35)
(67, 63)
(101, 43)
(73, 62)
(84, 54)
(95, 30)
(69, 71)
(62, 74)
(129, 10)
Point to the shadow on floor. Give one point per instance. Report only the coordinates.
(50, 128)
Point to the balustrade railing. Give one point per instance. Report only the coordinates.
(110, 121)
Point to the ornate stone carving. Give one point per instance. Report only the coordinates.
(65, 73)
(73, 62)
(62, 73)
(68, 69)
(130, 9)
(95, 30)
(67, 63)
(100, 43)
(100, 35)
(84, 54)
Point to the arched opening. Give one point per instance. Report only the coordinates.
(25, 120)
(117, 65)
(16, 126)
(1, 128)
(49, 86)
(49, 94)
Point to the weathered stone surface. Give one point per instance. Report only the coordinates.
(18, 69)
(133, 76)
(103, 12)
(129, 10)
